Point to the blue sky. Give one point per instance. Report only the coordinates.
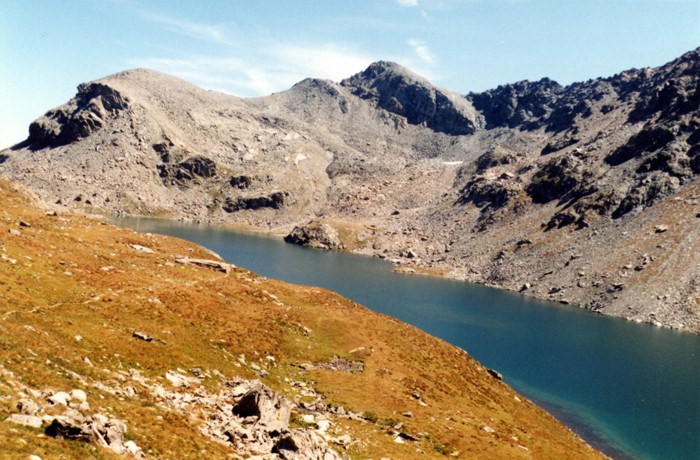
(253, 48)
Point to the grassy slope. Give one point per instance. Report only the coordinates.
(61, 287)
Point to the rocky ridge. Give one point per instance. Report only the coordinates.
(559, 192)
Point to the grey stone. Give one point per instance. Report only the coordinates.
(271, 410)
(60, 397)
(303, 445)
(143, 336)
(213, 264)
(316, 235)
(26, 420)
(28, 406)
(78, 395)
(139, 248)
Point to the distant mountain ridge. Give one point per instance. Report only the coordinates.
(584, 194)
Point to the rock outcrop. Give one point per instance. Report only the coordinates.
(94, 104)
(315, 235)
(72, 423)
(275, 200)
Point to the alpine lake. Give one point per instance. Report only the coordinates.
(631, 390)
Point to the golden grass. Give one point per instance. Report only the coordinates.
(77, 290)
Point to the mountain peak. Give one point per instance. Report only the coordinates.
(382, 69)
(398, 90)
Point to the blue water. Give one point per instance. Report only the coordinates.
(632, 390)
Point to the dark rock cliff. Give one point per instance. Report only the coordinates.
(398, 90)
(85, 114)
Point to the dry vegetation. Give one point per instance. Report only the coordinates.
(75, 289)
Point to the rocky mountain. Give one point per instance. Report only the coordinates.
(584, 194)
(117, 344)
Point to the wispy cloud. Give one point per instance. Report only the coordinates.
(272, 68)
(407, 3)
(422, 51)
(269, 64)
(208, 32)
(330, 61)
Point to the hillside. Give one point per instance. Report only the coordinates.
(151, 347)
(584, 194)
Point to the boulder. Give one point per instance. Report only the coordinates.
(69, 428)
(78, 396)
(315, 235)
(213, 264)
(28, 407)
(303, 445)
(142, 336)
(270, 409)
(180, 381)
(139, 248)
(61, 398)
(26, 420)
(495, 374)
(96, 429)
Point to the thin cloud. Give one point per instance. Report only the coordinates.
(422, 51)
(275, 67)
(272, 64)
(196, 30)
(331, 61)
(407, 3)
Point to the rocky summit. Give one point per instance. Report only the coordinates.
(586, 194)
